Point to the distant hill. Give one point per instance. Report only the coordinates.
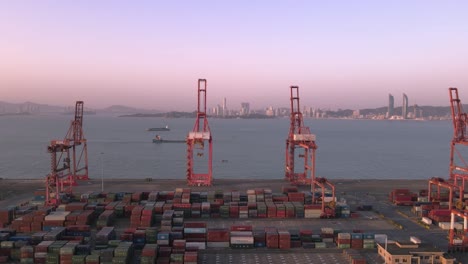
(121, 109)
(28, 107)
(7, 108)
(172, 114)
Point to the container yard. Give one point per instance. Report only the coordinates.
(158, 222)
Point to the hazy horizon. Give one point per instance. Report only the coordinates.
(149, 54)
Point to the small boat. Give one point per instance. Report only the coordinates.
(159, 139)
(166, 128)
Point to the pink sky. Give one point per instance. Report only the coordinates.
(150, 54)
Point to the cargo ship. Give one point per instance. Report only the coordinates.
(166, 128)
(159, 139)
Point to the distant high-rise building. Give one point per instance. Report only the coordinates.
(270, 111)
(356, 113)
(245, 109)
(404, 107)
(417, 111)
(391, 104)
(225, 110)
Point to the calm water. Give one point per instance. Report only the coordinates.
(253, 148)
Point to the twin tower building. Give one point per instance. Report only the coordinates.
(404, 108)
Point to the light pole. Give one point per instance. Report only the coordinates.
(102, 172)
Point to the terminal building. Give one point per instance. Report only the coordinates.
(411, 253)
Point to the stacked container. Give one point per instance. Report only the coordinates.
(354, 257)
(6, 216)
(67, 251)
(217, 238)
(166, 222)
(368, 241)
(259, 238)
(241, 237)
(123, 252)
(195, 234)
(272, 238)
(105, 219)
(327, 234)
(343, 240)
(401, 197)
(149, 253)
(27, 254)
(312, 211)
(284, 239)
(147, 214)
(356, 241)
(104, 235)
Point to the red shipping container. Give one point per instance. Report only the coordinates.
(272, 240)
(190, 256)
(241, 228)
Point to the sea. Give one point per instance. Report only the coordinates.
(120, 147)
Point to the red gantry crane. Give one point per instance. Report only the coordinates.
(67, 168)
(458, 239)
(196, 140)
(458, 172)
(299, 137)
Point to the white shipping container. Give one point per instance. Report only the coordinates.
(415, 240)
(199, 245)
(344, 236)
(242, 240)
(241, 233)
(444, 225)
(427, 221)
(380, 238)
(57, 215)
(327, 230)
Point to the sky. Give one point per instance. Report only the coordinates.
(150, 54)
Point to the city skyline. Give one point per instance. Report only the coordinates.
(150, 54)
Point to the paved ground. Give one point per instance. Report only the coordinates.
(261, 256)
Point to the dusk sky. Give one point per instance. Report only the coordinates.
(342, 54)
